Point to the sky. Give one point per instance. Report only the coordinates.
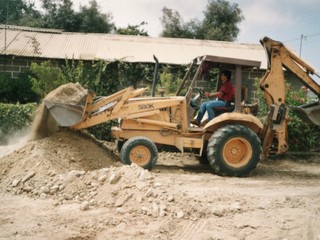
(294, 22)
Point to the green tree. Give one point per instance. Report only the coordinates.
(19, 12)
(66, 18)
(61, 15)
(93, 21)
(220, 22)
(174, 25)
(50, 14)
(132, 30)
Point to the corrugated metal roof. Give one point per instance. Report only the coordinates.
(30, 29)
(61, 45)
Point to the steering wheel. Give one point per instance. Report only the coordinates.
(201, 92)
(196, 101)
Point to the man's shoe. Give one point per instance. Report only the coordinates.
(204, 123)
(194, 122)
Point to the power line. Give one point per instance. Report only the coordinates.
(291, 40)
(305, 36)
(314, 35)
(301, 38)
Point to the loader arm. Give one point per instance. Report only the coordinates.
(274, 88)
(125, 104)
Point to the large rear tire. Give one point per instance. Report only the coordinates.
(139, 150)
(234, 150)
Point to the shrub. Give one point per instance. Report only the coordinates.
(46, 77)
(18, 89)
(302, 136)
(15, 117)
(169, 81)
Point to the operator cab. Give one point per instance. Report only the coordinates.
(205, 71)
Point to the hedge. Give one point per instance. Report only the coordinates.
(14, 117)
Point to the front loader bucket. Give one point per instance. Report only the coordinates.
(309, 112)
(65, 114)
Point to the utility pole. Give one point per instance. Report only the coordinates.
(302, 37)
(5, 27)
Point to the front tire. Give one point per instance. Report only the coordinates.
(234, 150)
(139, 150)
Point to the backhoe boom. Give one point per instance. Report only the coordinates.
(274, 88)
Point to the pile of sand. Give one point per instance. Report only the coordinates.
(64, 151)
(44, 125)
(70, 167)
(68, 93)
(51, 149)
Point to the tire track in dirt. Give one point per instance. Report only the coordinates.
(190, 229)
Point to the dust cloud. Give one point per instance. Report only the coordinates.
(14, 142)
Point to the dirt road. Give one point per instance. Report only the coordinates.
(54, 188)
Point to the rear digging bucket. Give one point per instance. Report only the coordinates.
(309, 112)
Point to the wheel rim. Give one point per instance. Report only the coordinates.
(140, 155)
(237, 152)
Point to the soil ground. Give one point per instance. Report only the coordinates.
(68, 186)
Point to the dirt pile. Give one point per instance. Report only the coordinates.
(44, 125)
(62, 152)
(69, 167)
(67, 93)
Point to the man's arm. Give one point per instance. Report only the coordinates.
(212, 95)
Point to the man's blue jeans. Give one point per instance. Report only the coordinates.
(209, 107)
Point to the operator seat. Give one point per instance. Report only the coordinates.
(230, 105)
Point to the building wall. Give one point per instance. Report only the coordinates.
(14, 65)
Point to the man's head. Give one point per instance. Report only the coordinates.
(226, 73)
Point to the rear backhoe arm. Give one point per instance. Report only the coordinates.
(274, 88)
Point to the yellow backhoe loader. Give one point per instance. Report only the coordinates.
(233, 142)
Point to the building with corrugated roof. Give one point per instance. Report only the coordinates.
(55, 44)
(20, 46)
